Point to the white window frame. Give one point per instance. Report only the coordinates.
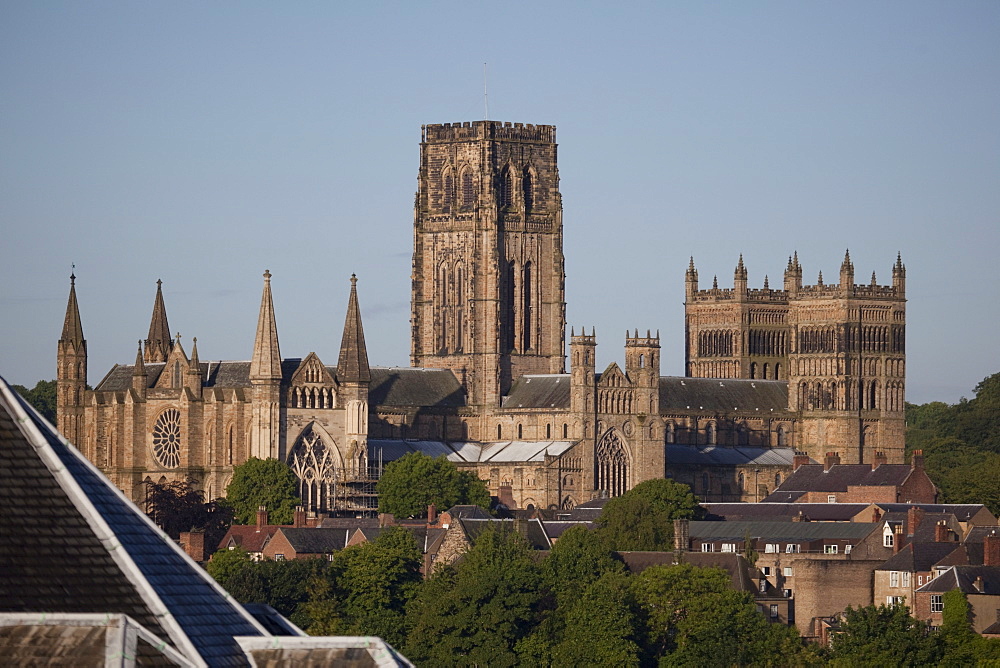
(893, 578)
(729, 547)
(847, 549)
(792, 548)
(904, 579)
(766, 570)
(774, 611)
(707, 547)
(772, 548)
(788, 572)
(937, 603)
(894, 600)
(831, 549)
(831, 498)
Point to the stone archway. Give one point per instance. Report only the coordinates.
(316, 463)
(612, 464)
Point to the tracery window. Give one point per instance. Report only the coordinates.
(468, 194)
(314, 463)
(612, 465)
(167, 438)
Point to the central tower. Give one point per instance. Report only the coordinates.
(488, 273)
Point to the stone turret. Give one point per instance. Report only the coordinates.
(690, 280)
(899, 276)
(354, 376)
(140, 377)
(71, 371)
(740, 280)
(642, 365)
(583, 362)
(847, 275)
(158, 342)
(793, 274)
(265, 377)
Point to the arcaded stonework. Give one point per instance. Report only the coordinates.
(817, 369)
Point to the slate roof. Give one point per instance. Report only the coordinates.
(918, 557)
(962, 511)
(978, 534)
(587, 511)
(73, 543)
(315, 540)
(218, 374)
(468, 512)
(539, 391)
(556, 528)
(713, 455)
(403, 386)
(682, 395)
(964, 578)
(812, 477)
(784, 512)
(787, 531)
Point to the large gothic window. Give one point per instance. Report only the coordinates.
(527, 191)
(167, 438)
(612, 465)
(314, 463)
(468, 193)
(505, 194)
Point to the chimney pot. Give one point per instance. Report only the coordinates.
(799, 459)
(831, 459)
(941, 532)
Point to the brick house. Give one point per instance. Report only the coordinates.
(879, 482)
(980, 583)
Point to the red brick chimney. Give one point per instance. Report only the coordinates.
(878, 460)
(506, 496)
(193, 543)
(799, 459)
(299, 519)
(897, 538)
(876, 515)
(991, 549)
(941, 532)
(917, 461)
(831, 459)
(432, 514)
(913, 518)
(261, 516)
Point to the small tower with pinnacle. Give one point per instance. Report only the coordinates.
(71, 372)
(354, 377)
(265, 378)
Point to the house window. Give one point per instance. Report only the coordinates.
(772, 547)
(847, 549)
(766, 570)
(787, 593)
(920, 580)
(707, 547)
(831, 498)
(791, 548)
(729, 547)
(774, 611)
(788, 571)
(763, 586)
(893, 600)
(279, 557)
(893, 578)
(936, 604)
(904, 580)
(830, 549)
(887, 539)
(330, 556)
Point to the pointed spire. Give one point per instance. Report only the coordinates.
(158, 343)
(194, 352)
(140, 364)
(847, 264)
(795, 261)
(572, 331)
(741, 269)
(790, 266)
(715, 282)
(766, 285)
(72, 325)
(898, 268)
(266, 361)
(819, 280)
(353, 364)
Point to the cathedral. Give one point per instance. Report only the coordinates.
(808, 370)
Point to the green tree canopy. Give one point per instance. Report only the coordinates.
(263, 482)
(414, 481)
(42, 396)
(642, 518)
(600, 626)
(578, 558)
(476, 612)
(884, 636)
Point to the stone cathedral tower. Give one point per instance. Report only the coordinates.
(488, 279)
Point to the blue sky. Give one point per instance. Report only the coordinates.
(202, 143)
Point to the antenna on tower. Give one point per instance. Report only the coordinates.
(486, 96)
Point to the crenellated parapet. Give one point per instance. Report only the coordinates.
(475, 130)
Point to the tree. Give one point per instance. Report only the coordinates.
(375, 582)
(177, 506)
(283, 585)
(414, 481)
(577, 559)
(692, 617)
(263, 482)
(476, 612)
(884, 636)
(600, 626)
(642, 518)
(42, 396)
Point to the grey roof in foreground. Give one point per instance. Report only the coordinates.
(787, 531)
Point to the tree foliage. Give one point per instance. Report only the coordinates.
(884, 636)
(414, 481)
(600, 626)
(961, 444)
(477, 612)
(42, 396)
(642, 518)
(263, 482)
(177, 507)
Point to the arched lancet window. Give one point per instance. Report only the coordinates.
(505, 190)
(753, 370)
(468, 193)
(777, 480)
(782, 438)
(548, 431)
(612, 475)
(565, 430)
(520, 432)
(777, 371)
(499, 432)
(526, 286)
(527, 190)
(669, 432)
(741, 482)
(710, 436)
(314, 463)
(448, 187)
(765, 377)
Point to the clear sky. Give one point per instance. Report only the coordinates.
(202, 143)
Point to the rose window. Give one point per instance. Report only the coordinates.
(167, 438)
